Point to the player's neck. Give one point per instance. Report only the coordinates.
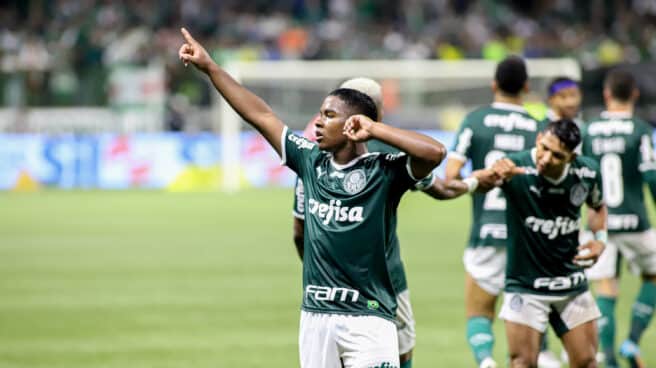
(617, 106)
(350, 151)
(515, 100)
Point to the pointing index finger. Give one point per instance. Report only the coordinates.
(187, 35)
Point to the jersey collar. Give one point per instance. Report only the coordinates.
(534, 153)
(350, 163)
(508, 106)
(616, 115)
(551, 115)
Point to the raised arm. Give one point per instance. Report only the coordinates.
(249, 106)
(425, 152)
(484, 180)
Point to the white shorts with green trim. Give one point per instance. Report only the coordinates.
(638, 249)
(336, 341)
(487, 266)
(563, 313)
(405, 322)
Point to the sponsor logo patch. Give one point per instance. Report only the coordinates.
(516, 303)
(577, 194)
(354, 181)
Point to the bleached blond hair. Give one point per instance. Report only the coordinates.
(370, 88)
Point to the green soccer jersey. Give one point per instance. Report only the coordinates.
(394, 262)
(622, 145)
(350, 223)
(543, 218)
(486, 135)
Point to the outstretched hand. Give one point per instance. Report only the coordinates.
(505, 169)
(455, 188)
(193, 52)
(358, 128)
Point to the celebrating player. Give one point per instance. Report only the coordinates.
(622, 143)
(545, 282)
(486, 135)
(430, 185)
(351, 197)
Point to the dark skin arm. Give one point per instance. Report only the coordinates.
(249, 106)
(426, 153)
(298, 236)
(441, 191)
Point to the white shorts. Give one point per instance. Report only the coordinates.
(638, 249)
(487, 266)
(336, 340)
(562, 312)
(405, 323)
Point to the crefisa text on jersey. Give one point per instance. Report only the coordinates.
(334, 211)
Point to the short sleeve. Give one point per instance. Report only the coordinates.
(424, 183)
(461, 149)
(595, 194)
(296, 151)
(299, 200)
(399, 170)
(647, 157)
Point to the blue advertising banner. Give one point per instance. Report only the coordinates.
(171, 161)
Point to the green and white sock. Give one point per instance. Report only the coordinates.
(480, 337)
(607, 328)
(544, 342)
(642, 311)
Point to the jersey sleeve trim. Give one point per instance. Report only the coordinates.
(283, 147)
(424, 184)
(299, 216)
(408, 167)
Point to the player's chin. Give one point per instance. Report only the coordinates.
(322, 143)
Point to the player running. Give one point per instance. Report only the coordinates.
(430, 185)
(622, 144)
(351, 197)
(545, 282)
(486, 135)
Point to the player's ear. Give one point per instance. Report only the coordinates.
(635, 95)
(494, 86)
(607, 95)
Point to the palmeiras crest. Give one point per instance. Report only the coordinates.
(354, 181)
(577, 194)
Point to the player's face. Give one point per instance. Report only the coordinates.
(551, 155)
(329, 126)
(566, 102)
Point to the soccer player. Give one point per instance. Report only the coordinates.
(545, 283)
(431, 185)
(622, 144)
(564, 99)
(351, 197)
(486, 135)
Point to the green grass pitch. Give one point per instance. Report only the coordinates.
(146, 279)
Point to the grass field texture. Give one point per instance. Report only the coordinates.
(146, 279)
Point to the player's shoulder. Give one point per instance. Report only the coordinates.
(642, 125)
(585, 166)
(477, 116)
(521, 158)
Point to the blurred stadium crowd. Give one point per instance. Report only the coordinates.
(59, 52)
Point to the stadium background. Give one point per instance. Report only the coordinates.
(101, 265)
